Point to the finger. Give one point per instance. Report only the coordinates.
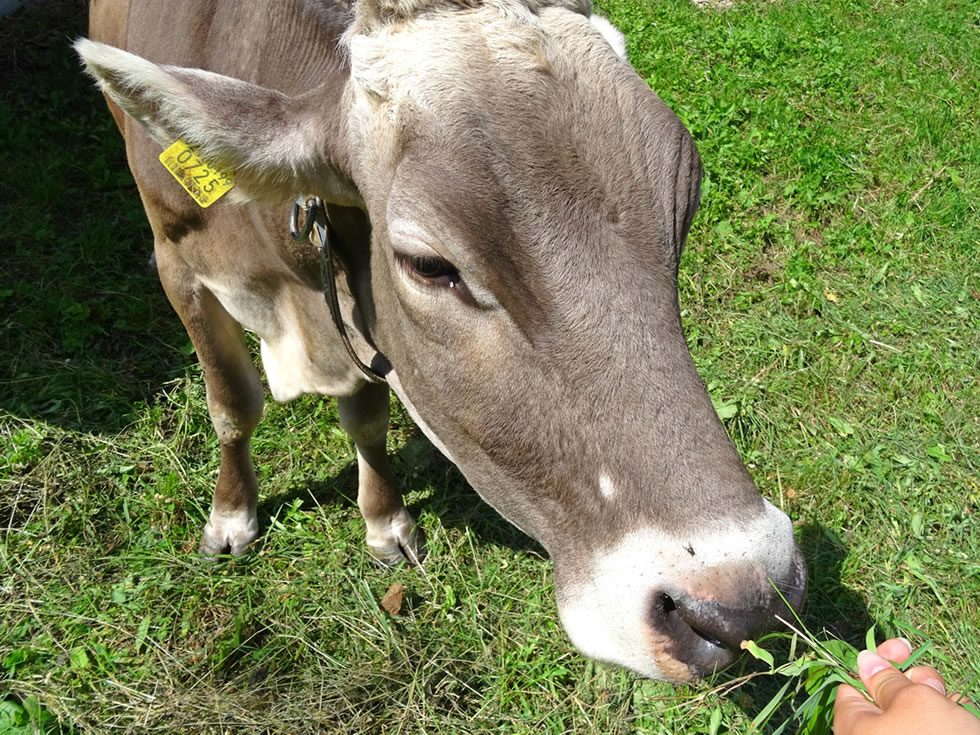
(852, 712)
(961, 699)
(883, 681)
(895, 649)
(928, 676)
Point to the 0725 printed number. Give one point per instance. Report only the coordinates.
(199, 171)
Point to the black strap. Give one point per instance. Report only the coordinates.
(316, 217)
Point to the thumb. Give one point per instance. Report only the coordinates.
(883, 681)
(852, 710)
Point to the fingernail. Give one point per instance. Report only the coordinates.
(907, 642)
(937, 685)
(870, 663)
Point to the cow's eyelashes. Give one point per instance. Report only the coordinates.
(431, 267)
(432, 270)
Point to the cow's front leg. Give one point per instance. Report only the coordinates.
(235, 402)
(392, 535)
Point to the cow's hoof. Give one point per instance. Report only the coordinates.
(403, 543)
(211, 549)
(228, 533)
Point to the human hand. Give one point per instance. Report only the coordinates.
(913, 702)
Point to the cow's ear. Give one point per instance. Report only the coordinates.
(271, 141)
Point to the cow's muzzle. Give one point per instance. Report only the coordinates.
(706, 634)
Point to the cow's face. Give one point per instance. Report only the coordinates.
(529, 198)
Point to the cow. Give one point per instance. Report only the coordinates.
(506, 202)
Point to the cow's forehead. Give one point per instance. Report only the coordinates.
(476, 111)
(452, 59)
(378, 16)
(526, 145)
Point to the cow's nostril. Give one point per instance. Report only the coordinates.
(705, 634)
(722, 627)
(679, 618)
(666, 603)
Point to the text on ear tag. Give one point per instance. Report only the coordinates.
(205, 183)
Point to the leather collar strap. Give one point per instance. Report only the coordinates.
(317, 218)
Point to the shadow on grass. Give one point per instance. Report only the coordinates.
(339, 489)
(831, 606)
(424, 474)
(453, 499)
(87, 331)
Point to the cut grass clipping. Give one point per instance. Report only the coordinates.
(814, 669)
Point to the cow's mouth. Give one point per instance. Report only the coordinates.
(669, 607)
(706, 635)
(697, 639)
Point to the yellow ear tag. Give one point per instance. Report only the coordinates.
(205, 183)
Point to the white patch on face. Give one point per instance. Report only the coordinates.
(606, 486)
(604, 606)
(612, 35)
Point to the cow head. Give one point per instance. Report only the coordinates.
(529, 198)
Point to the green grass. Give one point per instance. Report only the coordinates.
(831, 295)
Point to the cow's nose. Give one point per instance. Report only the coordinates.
(706, 634)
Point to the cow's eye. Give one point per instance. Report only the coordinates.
(433, 270)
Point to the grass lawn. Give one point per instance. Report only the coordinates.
(831, 296)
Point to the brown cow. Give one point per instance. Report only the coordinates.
(508, 202)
